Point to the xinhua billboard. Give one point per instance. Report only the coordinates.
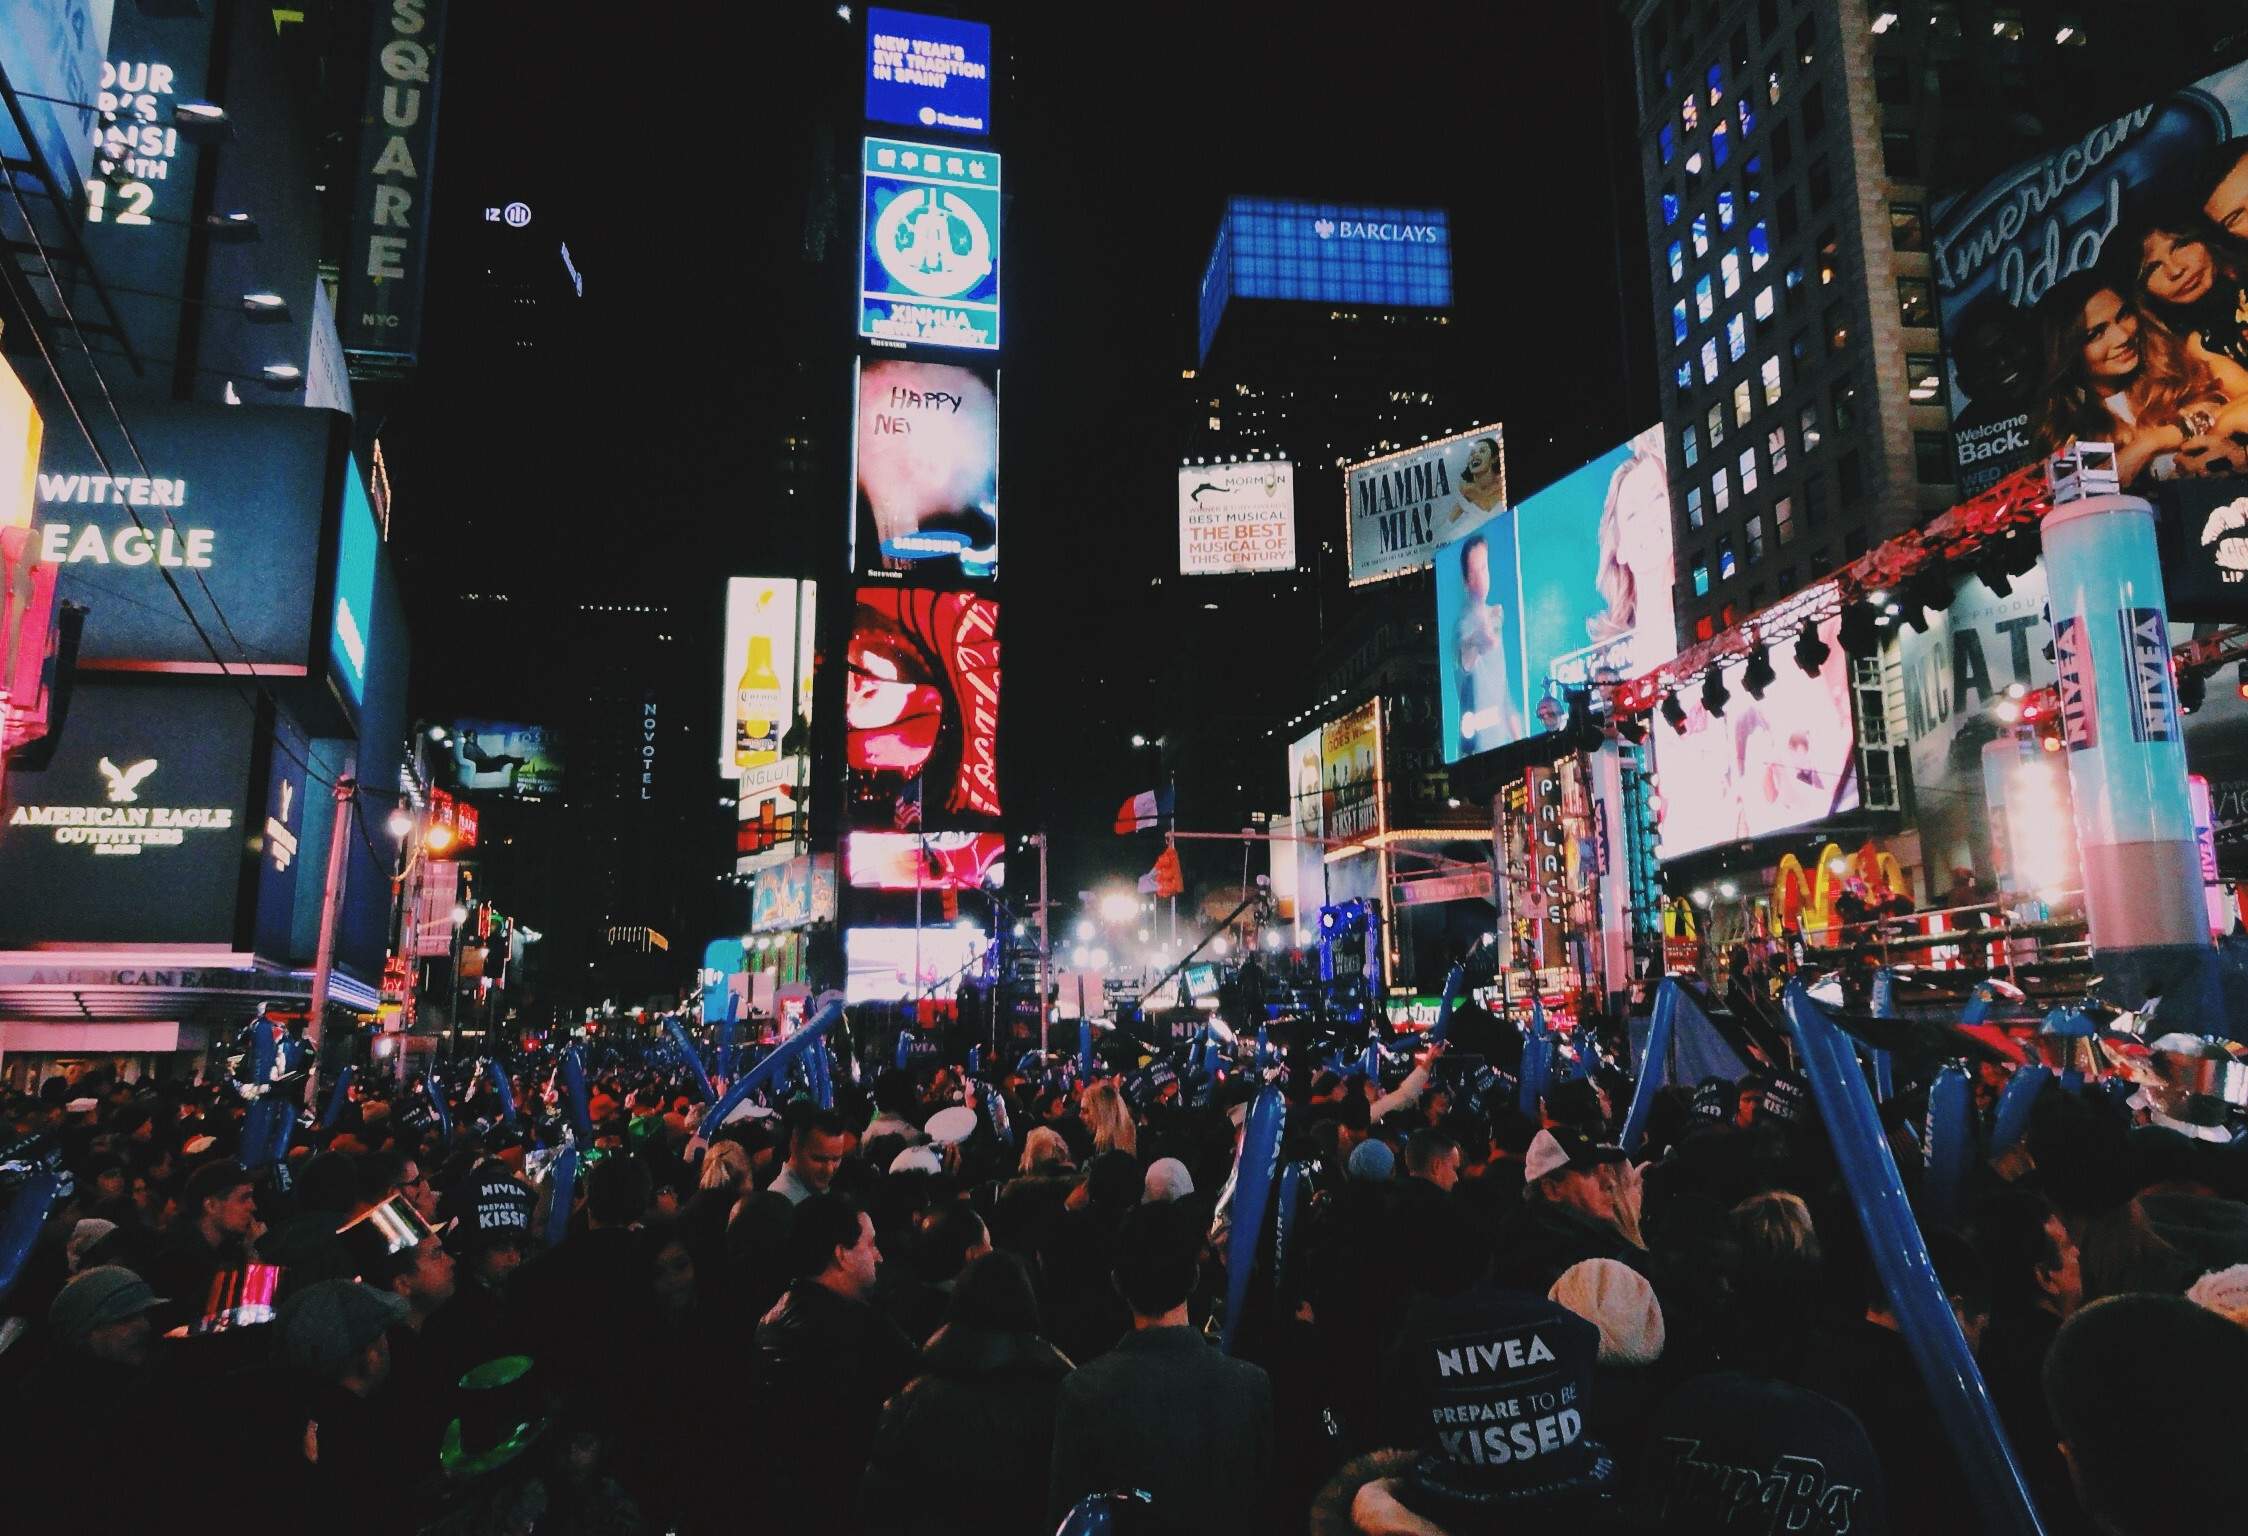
(929, 245)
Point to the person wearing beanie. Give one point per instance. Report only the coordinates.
(1371, 1162)
(89, 1231)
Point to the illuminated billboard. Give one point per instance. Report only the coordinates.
(1400, 506)
(889, 965)
(929, 245)
(928, 861)
(765, 712)
(1307, 824)
(927, 71)
(794, 893)
(1480, 674)
(1237, 517)
(927, 469)
(1763, 766)
(507, 758)
(351, 631)
(2100, 290)
(921, 728)
(27, 586)
(1342, 253)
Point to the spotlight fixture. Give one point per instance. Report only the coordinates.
(1811, 652)
(1758, 675)
(2193, 689)
(1674, 712)
(1714, 691)
(1861, 629)
(1633, 728)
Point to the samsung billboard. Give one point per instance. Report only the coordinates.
(1327, 253)
(926, 457)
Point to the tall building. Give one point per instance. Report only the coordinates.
(1790, 151)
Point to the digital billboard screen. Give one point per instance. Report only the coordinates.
(2100, 291)
(921, 727)
(524, 761)
(1481, 680)
(1763, 766)
(927, 469)
(793, 893)
(928, 861)
(358, 551)
(1400, 506)
(889, 965)
(927, 71)
(229, 504)
(1236, 518)
(1307, 824)
(929, 245)
(141, 828)
(1343, 253)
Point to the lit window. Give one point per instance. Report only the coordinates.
(1721, 492)
(1691, 442)
(1685, 373)
(1678, 323)
(1727, 565)
(1748, 471)
(1752, 173)
(1754, 528)
(1783, 517)
(1693, 506)
(1759, 246)
(1716, 84)
(1837, 328)
(1694, 167)
(1807, 428)
(1725, 208)
(1701, 234)
(1716, 426)
(1775, 449)
(1748, 116)
(1915, 306)
(1736, 338)
(1742, 406)
(1701, 582)
(1923, 377)
(1729, 271)
(1689, 113)
(1709, 361)
(1720, 143)
(1677, 261)
(1670, 203)
(1769, 376)
(1705, 302)
(1908, 227)
(1765, 304)
(1795, 276)
(1666, 143)
(1830, 257)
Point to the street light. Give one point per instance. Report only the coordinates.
(1119, 906)
(401, 824)
(1138, 740)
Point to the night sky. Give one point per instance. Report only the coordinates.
(675, 139)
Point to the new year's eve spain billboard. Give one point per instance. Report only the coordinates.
(1402, 505)
(930, 71)
(929, 245)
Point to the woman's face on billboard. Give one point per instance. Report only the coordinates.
(1482, 462)
(893, 712)
(2111, 337)
(2173, 270)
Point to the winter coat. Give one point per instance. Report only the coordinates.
(967, 1446)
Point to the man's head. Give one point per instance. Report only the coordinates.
(103, 1313)
(617, 1192)
(946, 1240)
(2030, 1254)
(831, 1243)
(339, 1332)
(1434, 1156)
(221, 1200)
(1962, 1274)
(2226, 204)
(2141, 1389)
(1157, 1261)
(817, 1148)
(1563, 1167)
(421, 1274)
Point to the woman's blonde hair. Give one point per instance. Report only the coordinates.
(1776, 1225)
(1044, 1151)
(1111, 1119)
(725, 1166)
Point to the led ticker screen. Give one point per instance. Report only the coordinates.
(890, 965)
(1267, 248)
(928, 469)
(932, 861)
(929, 245)
(928, 71)
(921, 728)
(1763, 766)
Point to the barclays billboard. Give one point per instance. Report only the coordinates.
(1342, 253)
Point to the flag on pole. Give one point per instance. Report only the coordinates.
(1165, 878)
(1143, 811)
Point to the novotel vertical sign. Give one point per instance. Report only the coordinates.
(380, 317)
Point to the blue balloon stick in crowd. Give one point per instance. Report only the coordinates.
(1253, 1170)
(280, 1128)
(1264, 1046)
(565, 1185)
(574, 1101)
(726, 1027)
(779, 1060)
(822, 1073)
(338, 1095)
(434, 1085)
(19, 1229)
(1900, 1255)
(257, 1133)
(1884, 1007)
(1085, 1046)
(2011, 1123)
(1455, 982)
(496, 1070)
(688, 1054)
(1537, 1062)
(1951, 1144)
(1654, 1065)
(1284, 1220)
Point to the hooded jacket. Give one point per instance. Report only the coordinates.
(967, 1445)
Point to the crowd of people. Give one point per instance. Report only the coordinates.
(958, 1305)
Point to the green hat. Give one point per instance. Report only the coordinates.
(502, 1412)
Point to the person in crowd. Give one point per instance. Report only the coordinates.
(336, 1335)
(70, 1413)
(599, 1272)
(757, 1241)
(1109, 1119)
(2036, 1285)
(1165, 1411)
(967, 1445)
(218, 1230)
(1167, 1179)
(1568, 1213)
(828, 1359)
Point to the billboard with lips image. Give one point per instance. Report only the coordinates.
(922, 709)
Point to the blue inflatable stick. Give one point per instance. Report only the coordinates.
(1455, 983)
(1900, 1254)
(577, 1105)
(821, 1070)
(1264, 1046)
(19, 1229)
(2014, 1104)
(777, 1061)
(1537, 1062)
(1085, 1046)
(337, 1096)
(1884, 1007)
(1653, 1065)
(1284, 1220)
(726, 1034)
(678, 1033)
(496, 1070)
(565, 1184)
(1253, 1172)
(1951, 1144)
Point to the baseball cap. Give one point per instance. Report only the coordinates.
(105, 1294)
(1726, 1443)
(1565, 1147)
(1617, 1300)
(329, 1321)
(213, 1180)
(1498, 1385)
